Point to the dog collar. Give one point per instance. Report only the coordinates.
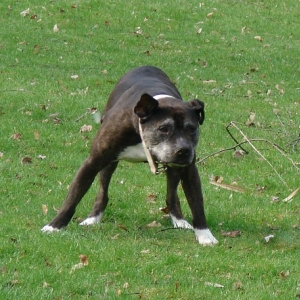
(160, 96)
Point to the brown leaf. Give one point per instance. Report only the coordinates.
(281, 91)
(258, 38)
(232, 234)
(284, 274)
(84, 259)
(123, 227)
(153, 224)
(237, 285)
(26, 160)
(238, 153)
(165, 210)
(45, 209)
(151, 198)
(261, 189)
(36, 135)
(16, 136)
(86, 128)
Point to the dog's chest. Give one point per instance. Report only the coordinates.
(134, 153)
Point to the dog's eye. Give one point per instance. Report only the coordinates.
(163, 129)
(192, 130)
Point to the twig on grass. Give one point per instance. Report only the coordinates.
(250, 142)
(233, 124)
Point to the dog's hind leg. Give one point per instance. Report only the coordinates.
(102, 196)
(173, 202)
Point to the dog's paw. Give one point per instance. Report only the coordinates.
(91, 220)
(205, 237)
(180, 223)
(49, 229)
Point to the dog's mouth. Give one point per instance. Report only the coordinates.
(161, 167)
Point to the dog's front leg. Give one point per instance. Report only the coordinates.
(80, 185)
(191, 184)
(173, 202)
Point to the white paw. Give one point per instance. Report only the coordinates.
(91, 220)
(49, 229)
(205, 237)
(180, 223)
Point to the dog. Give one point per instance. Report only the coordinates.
(145, 120)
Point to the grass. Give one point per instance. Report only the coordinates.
(99, 42)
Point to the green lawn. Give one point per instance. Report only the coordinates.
(63, 57)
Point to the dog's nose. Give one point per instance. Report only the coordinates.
(183, 152)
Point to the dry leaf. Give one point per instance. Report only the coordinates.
(209, 81)
(275, 199)
(281, 91)
(250, 121)
(45, 209)
(268, 237)
(123, 227)
(126, 285)
(165, 210)
(292, 195)
(210, 15)
(145, 251)
(25, 12)
(258, 38)
(75, 77)
(41, 157)
(232, 234)
(84, 259)
(16, 136)
(83, 262)
(36, 135)
(237, 285)
(1, 154)
(151, 198)
(261, 189)
(55, 28)
(74, 5)
(86, 128)
(238, 153)
(153, 224)
(284, 274)
(46, 285)
(26, 160)
(217, 285)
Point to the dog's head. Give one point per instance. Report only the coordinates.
(170, 128)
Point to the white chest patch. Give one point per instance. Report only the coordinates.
(133, 154)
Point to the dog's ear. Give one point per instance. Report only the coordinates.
(145, 107)
(198, 105)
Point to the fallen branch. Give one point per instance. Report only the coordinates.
(292, 195)
(257, 151)
(229, 187)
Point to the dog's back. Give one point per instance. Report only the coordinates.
(149, 79)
